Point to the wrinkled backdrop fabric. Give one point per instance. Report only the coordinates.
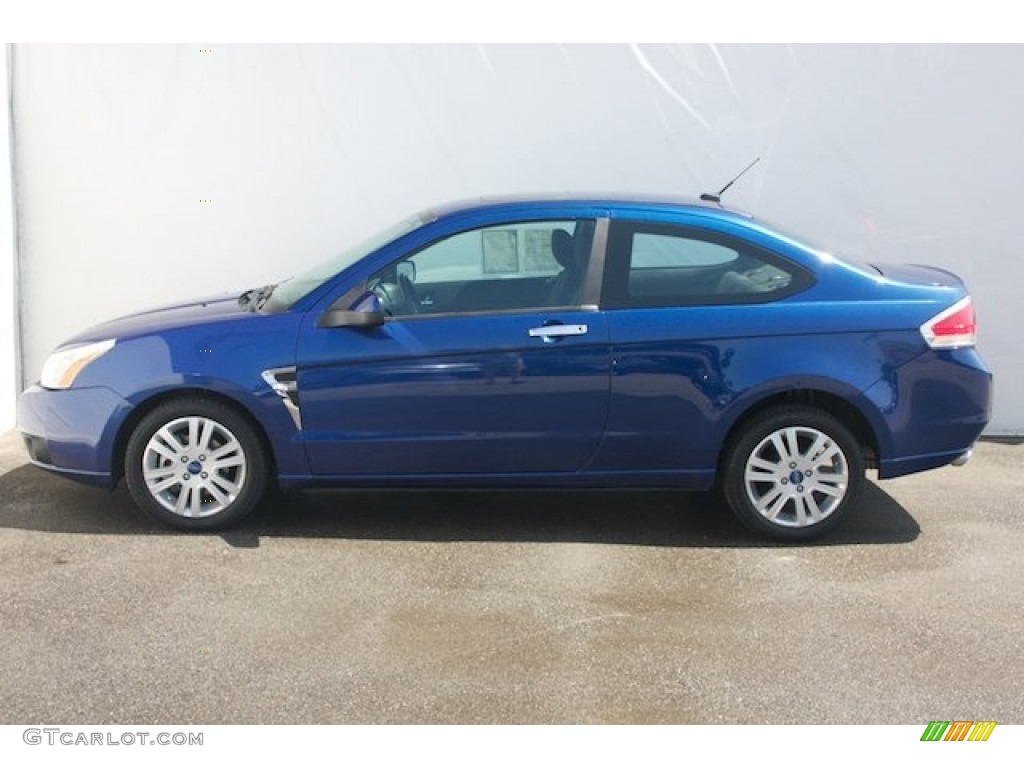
(147, 174)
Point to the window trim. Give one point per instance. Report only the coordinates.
(615, 290)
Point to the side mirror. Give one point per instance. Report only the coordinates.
(366, 312)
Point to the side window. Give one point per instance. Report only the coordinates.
(651, 251)
(656, 265)
(512, 266)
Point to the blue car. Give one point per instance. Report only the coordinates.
(558, 342)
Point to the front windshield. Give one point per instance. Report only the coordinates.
(289, 291)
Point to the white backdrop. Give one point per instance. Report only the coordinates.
(908, 153)
(9, 375)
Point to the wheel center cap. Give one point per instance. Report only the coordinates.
(796, 476)
(195, 467)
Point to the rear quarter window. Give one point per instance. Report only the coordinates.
(658, 265)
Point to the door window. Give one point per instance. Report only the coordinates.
(521, 265)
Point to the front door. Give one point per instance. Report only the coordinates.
(489, 364)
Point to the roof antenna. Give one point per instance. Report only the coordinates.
(709, 198)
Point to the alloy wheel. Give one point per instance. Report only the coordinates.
(194, 467)
(796, 477)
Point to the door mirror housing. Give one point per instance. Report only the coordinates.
(365, 312)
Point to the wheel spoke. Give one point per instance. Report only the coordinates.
(756, 462)
(820, 442)
(160, 486)
(800, 511)
(765, 501)
(228, 462)
(835, 491)
(229, 447)
(773, 511)
(759, 476)
(214, 491)
(162, 450)
(193, 432)
(224, 484)
(160, 479)
(158, 473)
(182, 506)
(780, 448)
(205, 435)
(171, 440)
(827, 459)
(792, 443)
(813, 509)
(196, 502)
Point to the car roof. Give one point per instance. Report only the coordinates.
(587, 200)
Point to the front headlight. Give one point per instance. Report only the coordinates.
(64, 365)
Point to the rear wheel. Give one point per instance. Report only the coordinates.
(195, 464)
(793, 473)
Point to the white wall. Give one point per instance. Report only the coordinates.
(9, 383)
(906, 153)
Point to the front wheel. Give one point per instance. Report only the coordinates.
(195, 464)
(793, 473)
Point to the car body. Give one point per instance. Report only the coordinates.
(590, 341)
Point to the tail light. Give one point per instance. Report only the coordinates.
(953, 327)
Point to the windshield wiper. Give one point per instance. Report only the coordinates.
(255, 298)
(246, 297)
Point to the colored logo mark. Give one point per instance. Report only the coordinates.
(958, 730)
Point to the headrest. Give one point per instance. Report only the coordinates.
(561, 248)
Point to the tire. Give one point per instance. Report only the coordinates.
(195, 464)
(793, 473)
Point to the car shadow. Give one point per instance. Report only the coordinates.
(33, 500)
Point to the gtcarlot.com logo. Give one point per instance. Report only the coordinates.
(58, 736)
(958, 730)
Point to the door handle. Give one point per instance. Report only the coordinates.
(555, 331)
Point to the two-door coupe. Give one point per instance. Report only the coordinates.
(601, 341)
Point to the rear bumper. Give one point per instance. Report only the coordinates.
(962, 459)
(72, 432)
(907, 465)
(935, 407)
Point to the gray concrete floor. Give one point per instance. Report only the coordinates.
(513, 607)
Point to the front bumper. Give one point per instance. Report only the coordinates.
(72, 432)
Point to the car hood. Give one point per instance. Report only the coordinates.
(205, 310)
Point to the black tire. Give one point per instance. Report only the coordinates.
(195, 464)
(793, 473)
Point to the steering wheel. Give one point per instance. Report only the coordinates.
(411, 301)
(388, 294)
